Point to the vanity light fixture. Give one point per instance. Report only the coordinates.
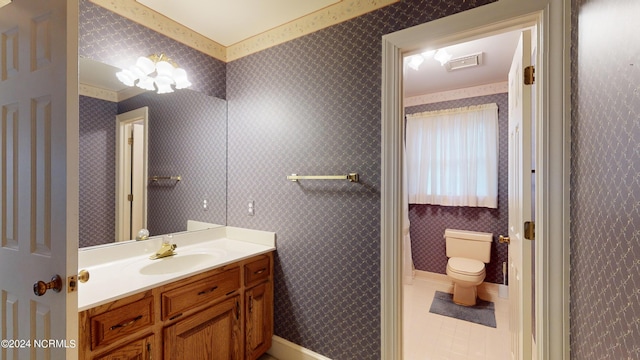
(4, 2)
(155, 71)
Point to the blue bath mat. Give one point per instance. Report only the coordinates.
(482, 313)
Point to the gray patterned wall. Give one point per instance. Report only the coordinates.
(605, 180)
(428, 222)
(115, 40)
(97, 171)
(312, 106)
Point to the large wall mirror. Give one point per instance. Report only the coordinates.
(186, 137)
(186, 131)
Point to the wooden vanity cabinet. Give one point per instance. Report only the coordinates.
(136, 350)
(212, 334)
(258, 308)
(225, 313)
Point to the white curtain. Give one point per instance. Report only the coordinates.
(452, 157)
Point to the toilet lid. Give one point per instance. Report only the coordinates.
(466, 266)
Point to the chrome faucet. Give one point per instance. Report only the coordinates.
(167, 249)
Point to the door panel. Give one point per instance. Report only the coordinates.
(520, 202)
(38, 176)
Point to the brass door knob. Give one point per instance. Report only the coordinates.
(83, 276)
(41, 287)
(504, 239)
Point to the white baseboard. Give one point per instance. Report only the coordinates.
(486, 291)
(286, 350)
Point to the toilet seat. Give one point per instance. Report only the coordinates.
(463, 266)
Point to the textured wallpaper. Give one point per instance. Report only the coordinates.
(428, 222)
(312, 106)
(97, 171)
(605, 181)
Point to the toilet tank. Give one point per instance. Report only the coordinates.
(468, 244)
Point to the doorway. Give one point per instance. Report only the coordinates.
(551, 173)
(132, 129)
(476, 74)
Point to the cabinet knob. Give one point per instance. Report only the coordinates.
(504, 239)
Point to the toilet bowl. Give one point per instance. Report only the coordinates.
(466, 274)
(468, 251)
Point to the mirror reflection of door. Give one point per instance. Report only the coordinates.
(131, 173)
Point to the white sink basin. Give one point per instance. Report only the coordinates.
(177, 263)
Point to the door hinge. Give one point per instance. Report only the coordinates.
(130, 140)
(530, 230)
(529, 75)
(130, 197)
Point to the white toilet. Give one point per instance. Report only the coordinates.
(467, 251)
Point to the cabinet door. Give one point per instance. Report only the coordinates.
(136, 350)
(212, 334)
(259, 319)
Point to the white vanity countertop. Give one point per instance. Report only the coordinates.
(125, 269)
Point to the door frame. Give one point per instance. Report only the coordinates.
(129, 117)
(552, 18)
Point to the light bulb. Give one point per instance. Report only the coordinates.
(180, 76)
(443, 56)
(145, 65)
(164, 69)
(126, 77)
(415, 61)
(146, 83)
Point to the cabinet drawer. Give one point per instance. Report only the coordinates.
(176, 301)
(257, 271)
(140, 350)
(120, 322)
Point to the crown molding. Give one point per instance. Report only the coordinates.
(97, 93)
(474, 91)
(321, 19)
(318, 20)
(144, 16)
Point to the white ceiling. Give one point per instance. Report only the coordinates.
(432, 78)
(228, 22)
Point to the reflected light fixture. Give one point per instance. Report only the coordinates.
(155, 71)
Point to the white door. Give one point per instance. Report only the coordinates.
(131, 172)
(38, 177)
(520, 202)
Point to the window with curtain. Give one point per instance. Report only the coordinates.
(452, 157)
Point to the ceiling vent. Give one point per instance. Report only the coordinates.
(464, 62)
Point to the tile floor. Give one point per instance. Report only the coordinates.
(429, 336)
